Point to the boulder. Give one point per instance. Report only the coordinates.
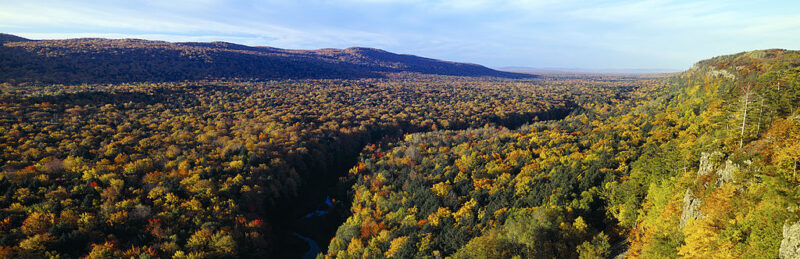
(790, 245)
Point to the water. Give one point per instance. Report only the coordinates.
(328, 202)
(314, 249)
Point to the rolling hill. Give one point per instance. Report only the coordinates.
(94, 60)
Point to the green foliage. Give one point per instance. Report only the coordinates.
(597, 248)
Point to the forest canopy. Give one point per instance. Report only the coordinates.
(698, 164)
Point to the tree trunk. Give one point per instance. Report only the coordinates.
(744, 116)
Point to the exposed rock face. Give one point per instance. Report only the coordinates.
(691, 207)
(790, 245)
(711, 161)
(708, 161)
(725, 174)
(721, 73)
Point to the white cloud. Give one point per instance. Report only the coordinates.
(82, 20)
(651, 33)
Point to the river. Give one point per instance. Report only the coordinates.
(323, 209)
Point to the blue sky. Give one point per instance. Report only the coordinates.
(538, 33)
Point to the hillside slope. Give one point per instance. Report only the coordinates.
(700, 165)
(129, 60)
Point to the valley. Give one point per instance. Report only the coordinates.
(258, 144)
(147, 149)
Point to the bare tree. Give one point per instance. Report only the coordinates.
(748, 91)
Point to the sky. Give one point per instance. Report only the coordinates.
(658, 34)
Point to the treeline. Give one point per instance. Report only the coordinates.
(699, 165)
(199, 169)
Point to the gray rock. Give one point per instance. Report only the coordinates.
(790, 245)
(726, 173)
(721, 73)
(708, 161)
(691, 208)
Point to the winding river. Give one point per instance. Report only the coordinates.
(313, 248)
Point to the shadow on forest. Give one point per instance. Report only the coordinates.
(323, 202)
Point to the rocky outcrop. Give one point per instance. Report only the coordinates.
(708, 162)
(790, 245)
(721, 73)
(691, 207)
(725, 174)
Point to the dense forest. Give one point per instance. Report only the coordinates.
(699, 165)
(130, 148)
(131, 60)
(214, 168)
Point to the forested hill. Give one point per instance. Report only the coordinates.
(700, 165)
(11, 38)
(127, 60)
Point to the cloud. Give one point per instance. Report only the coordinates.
(597, 34)
(85, 21)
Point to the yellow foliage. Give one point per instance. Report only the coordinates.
(199, 239)
(106, 250)
(119, 217)
(465, 211)
(37, 243)
(38, 223)
(435, 217)
(703, 238)
(441, 189)
(580, 224)
(395, 245)
(702, 241)
(236, 165)
(355, 247)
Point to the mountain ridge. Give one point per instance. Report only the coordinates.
(94, 60)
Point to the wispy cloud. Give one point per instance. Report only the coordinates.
(71, 20)
(545, 33)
